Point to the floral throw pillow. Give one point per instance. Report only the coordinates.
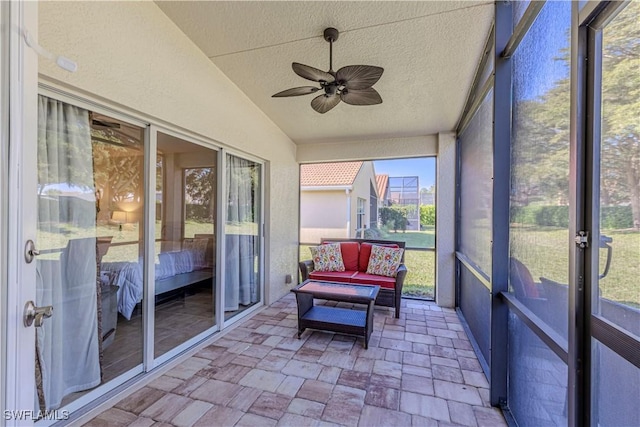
(327, 257)
(384, 261)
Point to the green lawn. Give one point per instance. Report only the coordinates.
(544, 250)
(413, 239)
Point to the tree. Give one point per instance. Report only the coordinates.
(540, 162)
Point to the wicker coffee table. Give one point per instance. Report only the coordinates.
(336, 319)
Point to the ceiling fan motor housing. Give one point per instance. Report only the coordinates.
(331, 34)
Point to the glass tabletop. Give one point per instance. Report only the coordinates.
(366, 291)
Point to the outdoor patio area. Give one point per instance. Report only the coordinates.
(419, 370)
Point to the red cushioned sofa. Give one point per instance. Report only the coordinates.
(355, 255)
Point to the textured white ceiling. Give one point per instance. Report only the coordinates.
(429, 50)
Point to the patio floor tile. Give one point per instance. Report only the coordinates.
(373, 416)
(270, 405)
(305, 407)
(419, 370)
(264, 380)
(192, 413)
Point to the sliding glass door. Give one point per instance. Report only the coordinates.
(185, 248)
(243, 261)
(125, 249)
(90, 238)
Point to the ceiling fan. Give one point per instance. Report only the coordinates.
(350, 84)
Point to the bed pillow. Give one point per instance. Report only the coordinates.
(384, 261)
(327, 257)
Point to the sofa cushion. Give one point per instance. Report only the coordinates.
(372, 279)
(350, 253)
(332, 276)
(327, 257)
(365, 254)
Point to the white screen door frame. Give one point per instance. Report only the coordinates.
(19, 342)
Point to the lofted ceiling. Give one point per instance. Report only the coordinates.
(429, 51)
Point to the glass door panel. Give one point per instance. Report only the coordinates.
(619, 238)
(242, 235)
(186, 242)
(615, 292)
(90, 168)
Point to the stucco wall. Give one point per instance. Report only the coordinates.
(322, 214)
(361, 189)
(131, 54)
(446, 220)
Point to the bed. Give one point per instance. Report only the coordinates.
(173, 270)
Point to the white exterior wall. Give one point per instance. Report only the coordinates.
(362, 190)
(446, 220)
(130, 54)
(323, 214)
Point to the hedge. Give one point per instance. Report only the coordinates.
(612, 217)
(427, 215)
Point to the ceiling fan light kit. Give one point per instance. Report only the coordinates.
(351, 84)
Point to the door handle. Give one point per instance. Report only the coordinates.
(36, 315)
(30, 251)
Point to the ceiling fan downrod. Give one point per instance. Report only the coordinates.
(331, 35)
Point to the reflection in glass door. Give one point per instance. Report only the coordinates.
(242, 235)
(616, 293)
(90, 187)
(185, 241)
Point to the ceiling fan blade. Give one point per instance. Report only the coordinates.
(359, 76)
(296, 91)
(324, 103)
(311, 73)
(368, 96)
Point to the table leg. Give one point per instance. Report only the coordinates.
(305, 302)
(369, 324)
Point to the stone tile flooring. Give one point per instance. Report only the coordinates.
(419, 370)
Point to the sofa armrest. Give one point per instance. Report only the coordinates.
(400, 275)
(306, 267)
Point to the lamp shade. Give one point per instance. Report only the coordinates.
(119, 216)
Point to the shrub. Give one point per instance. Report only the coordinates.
(427, 215)
(611, 217)
(394, 217)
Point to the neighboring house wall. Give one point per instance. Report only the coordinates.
(362, 190)
(130, 54)
(323, 214)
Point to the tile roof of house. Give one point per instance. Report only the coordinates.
(328, 174)
(381, 183)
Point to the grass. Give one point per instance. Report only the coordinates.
(544, 250)
(413, 239)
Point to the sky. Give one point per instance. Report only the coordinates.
(424, 168)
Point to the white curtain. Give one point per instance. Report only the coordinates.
(242, 243)
(67, 343)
